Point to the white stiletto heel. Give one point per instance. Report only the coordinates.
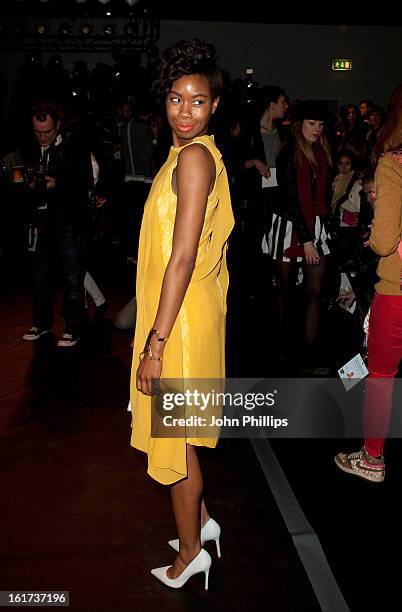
(206, 579)
(210, 531)
(218, 547)
(201, 563)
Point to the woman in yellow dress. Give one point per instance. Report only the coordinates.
(182, 282)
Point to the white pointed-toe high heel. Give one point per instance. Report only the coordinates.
(210, 531)
(201, 563)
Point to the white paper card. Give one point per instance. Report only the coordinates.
(353, 371)
(271, 181)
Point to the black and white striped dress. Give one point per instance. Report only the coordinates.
(279, 238)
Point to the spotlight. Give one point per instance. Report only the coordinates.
(41, 28)
(104, 1)
(65, 28)
(131, 2)
(109, 28)
(85, 29)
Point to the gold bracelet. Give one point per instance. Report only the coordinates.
(154, 332)
(147, 352)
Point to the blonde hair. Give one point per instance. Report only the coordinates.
(303, 149)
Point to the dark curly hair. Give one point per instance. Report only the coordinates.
(184, 58)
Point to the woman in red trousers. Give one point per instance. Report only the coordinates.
(385, 326)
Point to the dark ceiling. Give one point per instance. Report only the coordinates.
(205, 10)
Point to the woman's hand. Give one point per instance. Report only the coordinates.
(262, 168)
(148, 370)
(311, 254)
(346, 299)
(258, 165)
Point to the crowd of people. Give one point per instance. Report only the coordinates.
(305, 190)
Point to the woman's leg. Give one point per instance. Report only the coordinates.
(92, 288)
(314, 278)
(385, 354)
(285, 281)
(204, 513)
(125, 318)
(186, 500)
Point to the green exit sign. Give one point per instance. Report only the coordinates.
(341, 64)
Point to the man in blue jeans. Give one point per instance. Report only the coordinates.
(59, 189)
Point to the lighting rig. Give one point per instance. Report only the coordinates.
(82, 26)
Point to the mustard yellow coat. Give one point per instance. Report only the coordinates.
(196, 345)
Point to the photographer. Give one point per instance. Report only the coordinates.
(59, 171)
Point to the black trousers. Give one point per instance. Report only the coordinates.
(54, 244)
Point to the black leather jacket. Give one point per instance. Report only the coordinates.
(289, 207)
(69, 163)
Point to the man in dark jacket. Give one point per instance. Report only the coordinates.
(59, 188)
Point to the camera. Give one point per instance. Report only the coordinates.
(40, 181)
(38, 175)
(36, 178)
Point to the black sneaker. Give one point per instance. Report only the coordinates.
(68, 340)
(35, 333)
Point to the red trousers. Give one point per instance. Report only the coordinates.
(385, 354)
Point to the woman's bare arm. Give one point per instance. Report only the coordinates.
(195, 176)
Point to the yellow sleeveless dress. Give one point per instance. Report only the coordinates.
(196, 345)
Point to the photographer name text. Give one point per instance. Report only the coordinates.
(224, 421)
